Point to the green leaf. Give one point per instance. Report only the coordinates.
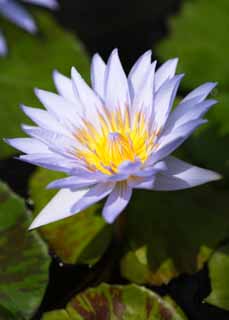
(117, 302)
(219, 277)
(200, 44)
(207, 146)
(202, 59)
(23, 258)
(30, 64)
(170, 233)
(82, 238)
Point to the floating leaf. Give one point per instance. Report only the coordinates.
(170, 233)
(219, 277)
(82, 238)
(24, 260)
(117, 302)
(30, 64)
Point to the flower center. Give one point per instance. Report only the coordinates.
(118, 139)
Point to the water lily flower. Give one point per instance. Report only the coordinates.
(115, 137)
(16, 13)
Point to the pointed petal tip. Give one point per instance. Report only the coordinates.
(216, 176)
(37, 91)
(109, 220)
(36, 224)
(55, 73)
(74, 72)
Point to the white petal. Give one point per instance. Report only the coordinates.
(201, 92)
(184, 131)
(164, 99)
(64, 86)
(138, 72)
(186, 112)
(59, 207)
(83, 179)
(63, 110)
(55, 141)
(95, 194)
(166, 71)
(44, 119)
(50, 161)
(98, 68)
(116, 202)
(89, 99)
(168, 147)
(143, 100)
(182, 175)
(28, 145)
(116, 85)
(18, 15)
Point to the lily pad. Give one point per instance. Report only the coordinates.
(30, 64)
(23, 258)
(117, 302)
(219, 276)
(170, 233)
(82, 238)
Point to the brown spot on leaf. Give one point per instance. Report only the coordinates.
(99, 309)
(4, 196)
(118, 306)
(149, 305)
(165, 313)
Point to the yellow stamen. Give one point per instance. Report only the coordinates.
(119, 139)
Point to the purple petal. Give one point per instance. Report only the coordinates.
(59, 207)
(143, 100)
(182, 175)
(166, 71)
(164, 99)
(63, 110)
(55, 141)
(44, 119)
(138, 73)
(202, 92)
(184, 131)
(116, 85)
(64, 86)
(18, 15)
(82, 180)
(116, 202)
(146, 183)
(98, 68)
(50, 161)
(52, 4)
(28, 145)
(95, 194)
(186, 112)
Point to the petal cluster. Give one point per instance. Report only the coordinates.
(16, 13)
(114, 137)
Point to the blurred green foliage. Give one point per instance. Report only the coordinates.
(30, 64)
